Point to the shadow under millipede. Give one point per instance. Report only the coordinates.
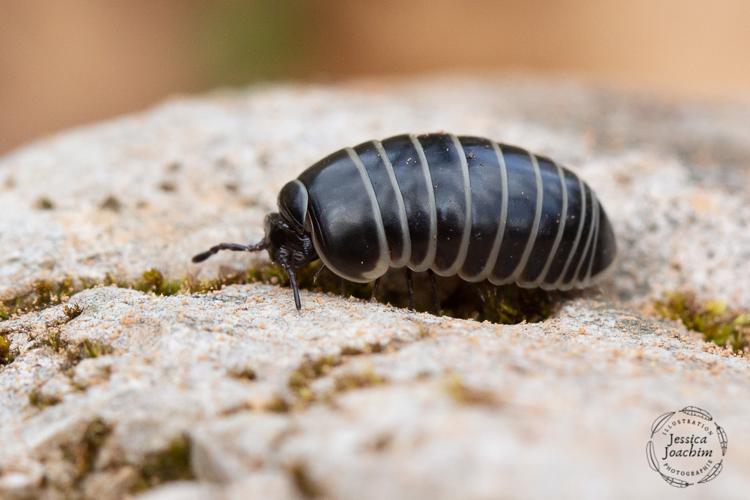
(507, 304)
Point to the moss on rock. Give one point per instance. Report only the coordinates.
(713, 318)
(6, 355)
(482, 302)
(172, 463)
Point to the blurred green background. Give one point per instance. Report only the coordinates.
(68, 62)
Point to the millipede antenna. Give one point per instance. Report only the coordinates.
(235, 247)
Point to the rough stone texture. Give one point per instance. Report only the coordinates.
(455, 409)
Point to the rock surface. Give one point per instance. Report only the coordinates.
(235, 393)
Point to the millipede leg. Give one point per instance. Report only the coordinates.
(295, 288)
(410, 288)
(342, 287)
(434, 293)
(317, 273)
(484, 291)
(374, 293)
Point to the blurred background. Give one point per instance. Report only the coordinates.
(68, 62)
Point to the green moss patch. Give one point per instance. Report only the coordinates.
(173, 463)
(310, 369)
(42, 293)
(358, 380)
(72, 311)
(153, 281)
(39, 400)
(306, 486)
(467, 395)
(44, 203)
(243, 373)
(482, 302)
(714, 319)
(6, 354)
(39, 295)
(111, 203)
(90, 349)
(277, 404)
(83, 454)
(81, 451)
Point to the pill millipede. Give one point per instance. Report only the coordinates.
(443, 204)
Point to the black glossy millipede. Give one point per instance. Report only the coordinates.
(446, 204)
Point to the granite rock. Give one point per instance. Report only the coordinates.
(235, 394)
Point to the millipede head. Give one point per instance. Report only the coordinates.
(288, 246)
